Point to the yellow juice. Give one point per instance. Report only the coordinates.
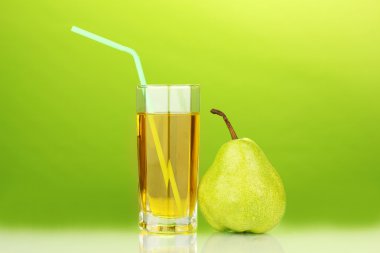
(168, 146)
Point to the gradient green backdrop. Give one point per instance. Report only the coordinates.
(299, 77)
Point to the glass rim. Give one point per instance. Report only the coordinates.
(167, 85)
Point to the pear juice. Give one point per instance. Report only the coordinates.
(168, 147)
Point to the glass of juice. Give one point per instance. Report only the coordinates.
(168, 150)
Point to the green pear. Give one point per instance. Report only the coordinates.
(241, 191)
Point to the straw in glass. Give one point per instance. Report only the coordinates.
(167, 169)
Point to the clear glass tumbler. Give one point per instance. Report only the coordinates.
(168, 150)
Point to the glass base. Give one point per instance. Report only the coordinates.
(154, 224)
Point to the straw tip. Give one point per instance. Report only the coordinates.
(74, 28)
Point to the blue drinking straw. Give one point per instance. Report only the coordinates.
(167, 169)
(114, 45)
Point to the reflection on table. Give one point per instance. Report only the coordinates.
(241, 243)
(157, 243)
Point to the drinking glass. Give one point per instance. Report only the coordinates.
(168, 150)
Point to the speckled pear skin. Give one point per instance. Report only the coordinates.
(241, 191)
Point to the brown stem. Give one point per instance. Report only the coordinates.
(232, 131)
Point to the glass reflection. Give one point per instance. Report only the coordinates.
(157, 243)
(242, 243)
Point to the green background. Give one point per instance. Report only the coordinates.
(299, 77)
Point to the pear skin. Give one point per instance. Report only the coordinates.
(241, 191)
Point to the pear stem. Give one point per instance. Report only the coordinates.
(230, 128)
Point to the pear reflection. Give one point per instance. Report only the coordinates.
(182, 243)
(242, 243)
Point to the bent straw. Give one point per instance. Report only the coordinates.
(167, 170)
(114, 45)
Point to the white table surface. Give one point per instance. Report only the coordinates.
(366, 240)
